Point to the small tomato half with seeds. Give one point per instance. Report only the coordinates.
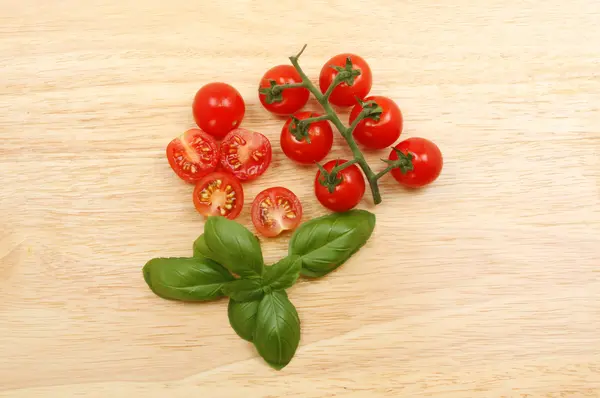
(246, 154)
(275, 210)
(219, 194)
(193, 155)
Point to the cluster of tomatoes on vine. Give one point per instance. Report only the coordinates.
(219, 156)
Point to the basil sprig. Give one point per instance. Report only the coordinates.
(227, 261)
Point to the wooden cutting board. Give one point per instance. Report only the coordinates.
(485, 284)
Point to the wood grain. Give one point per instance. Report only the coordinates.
(486, 284)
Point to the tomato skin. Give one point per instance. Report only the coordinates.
(218, 108)
(212, 198)
(344, 95)
(294, 99)
(378, 134)
(347, 194)
(245, 154)
(321, 140)
(275, 210)
(193, 155)
(427, 162)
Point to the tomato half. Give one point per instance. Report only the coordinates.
(383, 132)
(345, 95)
(218, 108)
(193, 155)
(427, 162)
(246, 154)
(219, 194)
(293, 99)
(276, 210)
(347, 193)
(320, 135)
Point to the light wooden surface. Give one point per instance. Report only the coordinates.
(486, 284)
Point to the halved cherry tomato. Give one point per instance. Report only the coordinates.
(427, 162)
(218, 108)
(383, 132)
(320, 135)
(347, 193)
(219, 194)
(345, 95)
(246, 154)
(193, 155)
(276, 210)
(293, 99)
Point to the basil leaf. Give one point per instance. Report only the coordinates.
(242, 317)
(277, 332)
(233, 246)
(325, 243)
(200, 248)
(244, 290)
(186, 279)
(283, 274)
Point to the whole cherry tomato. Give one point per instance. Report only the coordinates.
(309, 149)
(219, 194)
(218, 108)
(427, 162)
(292, 99)
(347, 193)
(276, 210)
(193, 155)
(380, 133)
(345, 95)
(246, 154)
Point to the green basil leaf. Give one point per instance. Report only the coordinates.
(242, 317)
(232, 245)
(325, 243)
(244, 290)
(200, 248)
(186, 279)
(277, 332)
(283, 274)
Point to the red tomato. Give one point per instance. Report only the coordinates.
(347, 194)
(219, 194)
(193, 155)
(276, 210)
(382, 133)
(427, 162)
(345, 95)
(293, 99)
(218, 108)
(319, 133)
(246, 154)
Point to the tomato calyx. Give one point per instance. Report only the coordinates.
(331, 179)
(299, 129)
(346, 74)
(370, 110)
(273, 93)
(404, 162)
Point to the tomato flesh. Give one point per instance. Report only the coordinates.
(246, 154)
(347, 194)
(219, 194)
(302, 151)
(193, 155)
(293, 99)
(276, 210)
(218, 108)
(345, 95)
(382, 133)
(427, 162)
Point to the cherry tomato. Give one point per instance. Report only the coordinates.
(319, 133)
(219, 194)
(276, 210)
(427, 162)
(293, 99)
(218, 108)
(382, 133)
(345, 95)
(193, 155)
(347, 193)
(246, 154)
